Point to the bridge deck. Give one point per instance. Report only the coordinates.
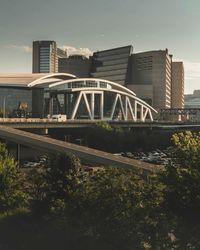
(23, 123)
(89, 154)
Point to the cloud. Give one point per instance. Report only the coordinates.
(23, 48)
(192, 69)
(74, 51)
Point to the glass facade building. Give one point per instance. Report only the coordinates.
(12, 97)
(45, 56)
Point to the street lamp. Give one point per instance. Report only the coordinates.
(4, 105)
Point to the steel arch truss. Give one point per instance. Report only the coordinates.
(123, 104)
(130, 107)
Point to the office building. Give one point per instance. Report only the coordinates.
(112, 64)
(150, 77)
(45, 56)
(177, 92)
(192, 100)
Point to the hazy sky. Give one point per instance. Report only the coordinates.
(101, 24)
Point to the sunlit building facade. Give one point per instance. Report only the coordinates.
(152, 75)
(177, 93)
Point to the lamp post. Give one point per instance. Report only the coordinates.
(4, 105)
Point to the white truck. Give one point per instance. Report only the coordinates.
(59, 118)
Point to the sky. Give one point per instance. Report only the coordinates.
(90, 25)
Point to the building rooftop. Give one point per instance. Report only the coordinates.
(31, 79)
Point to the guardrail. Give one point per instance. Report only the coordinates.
(50, 120)
(27, 120)
(43, 120)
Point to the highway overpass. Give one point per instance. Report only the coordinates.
(34, 123)
(85, 153)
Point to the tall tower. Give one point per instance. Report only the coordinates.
(45, 59)
(177, 85)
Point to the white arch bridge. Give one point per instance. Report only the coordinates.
(91, 98)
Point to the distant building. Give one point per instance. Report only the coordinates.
(78, 65)
(177, 90)
(192, 100)
(45, 56)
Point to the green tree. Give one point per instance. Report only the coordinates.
(182, 178)
(12, 195)
(122, 209)
(49, 184)
(60, 166)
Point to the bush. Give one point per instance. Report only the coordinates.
(182, 179)
(12, 195)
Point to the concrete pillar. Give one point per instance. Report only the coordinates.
(37, 103)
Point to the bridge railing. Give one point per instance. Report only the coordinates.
(26, 120)
(42, 120)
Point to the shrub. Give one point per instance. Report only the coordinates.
(182, 179)
(12, 195)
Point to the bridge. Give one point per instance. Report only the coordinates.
(34, 123)
(98, 99)
(85, 153)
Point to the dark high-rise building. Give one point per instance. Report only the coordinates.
(112, 64)
(77, 65)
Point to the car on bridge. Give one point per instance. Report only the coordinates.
(59, 118)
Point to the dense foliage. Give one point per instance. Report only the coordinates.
(122, 209)
(114, 139)
(182, 179)
(11, 194)
(113, 208)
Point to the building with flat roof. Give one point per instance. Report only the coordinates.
(112, 64)
(78, 65)
(45, 56)
(177, 92)
(192, 100)
(27, 88)
(150, 77)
